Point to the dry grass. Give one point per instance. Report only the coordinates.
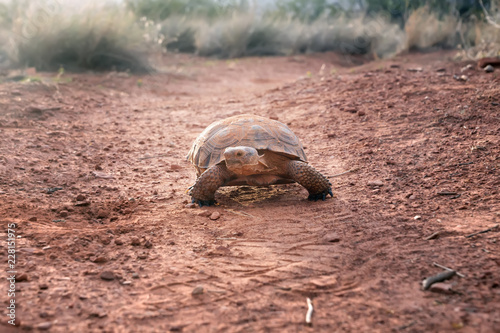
(424, 29)
(97, 38)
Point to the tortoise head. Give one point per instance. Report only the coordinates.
(241, 158)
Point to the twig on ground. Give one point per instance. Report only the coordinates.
(345, 172)
(309, 313)
(427, 283)
(447, 193)
(150, 157)
(448, 269)
(434, 235)
(238, 212)
(483, 231)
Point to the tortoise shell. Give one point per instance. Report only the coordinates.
(244, 130)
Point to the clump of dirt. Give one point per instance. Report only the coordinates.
(93, 173)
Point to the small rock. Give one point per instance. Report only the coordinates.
(204, 213)
(44, 326)
(82, 203)
(43, 286)
(126, 283)
(197, 291)
(175, 167)
(417, 217)
(118, 241)
(215, 216)
(98, 259)
(331, 237)
(148, 244)
(417, 69)
(489, 69)
(191, 205)
(80, 197)
(102, 214)
(107, 276)
(135, 241)
(466, 68)
(33, 219)
(443, 288)
(376, 183)
(441, 70)
(361, 113)
(63, 213)
(135, 276)
(22, 277)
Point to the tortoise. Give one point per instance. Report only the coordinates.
(251, 150)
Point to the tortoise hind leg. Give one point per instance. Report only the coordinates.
(203, 190)
(316, 184)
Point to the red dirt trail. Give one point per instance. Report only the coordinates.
(93, 172)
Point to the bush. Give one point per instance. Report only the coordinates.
(100, 38)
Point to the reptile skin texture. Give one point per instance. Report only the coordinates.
(203, 190)
(316, 184)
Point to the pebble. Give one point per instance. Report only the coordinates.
(148, 244)
(135, 276)
(191, 205)
(63, 213)
(215, 216)
(22, 277)
(204, 213)
(135, 241)
(126, 283)
(44, 326)
(331, 237)
(361, 113)
(98, 259)
(376, 183)
(118, 241)
(33, 219)
(197, 291)
(82, 203)
(175, 167)
(107, 275)
(102, 214)
(443, 288)
(417, 217)
(489, 69)
(80, 197)
(43, 286)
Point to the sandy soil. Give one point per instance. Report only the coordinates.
(93, 172)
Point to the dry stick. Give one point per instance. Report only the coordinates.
(427, 283)
(309, 313)
(448, 269)
(345, 172)
(488, 16)
(434, 235)
(150, 157)
(483, 232)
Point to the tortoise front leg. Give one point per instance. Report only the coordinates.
(203, 190)
(316, 184)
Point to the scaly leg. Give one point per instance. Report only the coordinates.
(203, 190)
(316, 184)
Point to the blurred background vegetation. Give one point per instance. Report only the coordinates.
(122, 34)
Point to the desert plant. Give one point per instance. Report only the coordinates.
(424, 29)
(98, 38)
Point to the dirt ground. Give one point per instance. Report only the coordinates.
(93, 172)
